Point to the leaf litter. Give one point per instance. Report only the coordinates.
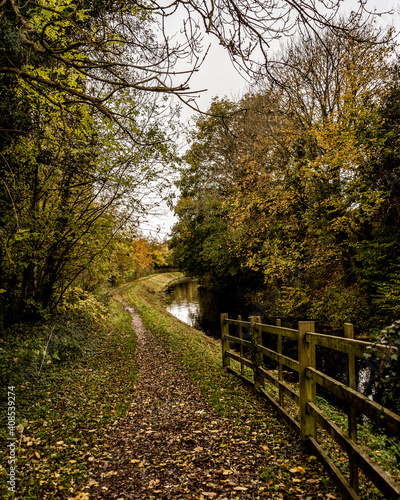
(174, 445)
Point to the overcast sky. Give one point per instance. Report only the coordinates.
(219, 77)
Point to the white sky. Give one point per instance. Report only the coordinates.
(218, 75)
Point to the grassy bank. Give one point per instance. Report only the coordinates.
(288, 472)
(70, 394)
(64, 413)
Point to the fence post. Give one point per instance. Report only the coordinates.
(352, 413)
(307, 386)
(256, 355)
(241, 347)
(280, 366)
(226, 360)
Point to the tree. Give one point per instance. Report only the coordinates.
(304, 199)
(331, 191)
(205, 242)
(71, 183)
(71, 179)
(87, 52)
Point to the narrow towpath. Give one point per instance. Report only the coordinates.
(173, 445)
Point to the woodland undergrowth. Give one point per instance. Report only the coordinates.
(71, 381)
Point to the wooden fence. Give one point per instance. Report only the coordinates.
(310, 415)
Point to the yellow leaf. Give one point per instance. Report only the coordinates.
(80, 496)
(37, 454)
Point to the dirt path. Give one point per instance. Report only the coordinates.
(173, 445)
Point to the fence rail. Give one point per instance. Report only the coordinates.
(311, 417)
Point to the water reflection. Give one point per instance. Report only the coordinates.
(182, 300)
(200, 307)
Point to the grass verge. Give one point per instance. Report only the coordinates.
(64, 413)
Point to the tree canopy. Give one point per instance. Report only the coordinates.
(297, 184)
(94, 51)
(71, 179)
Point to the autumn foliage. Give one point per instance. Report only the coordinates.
(293, 190)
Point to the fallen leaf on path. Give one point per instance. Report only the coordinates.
(83, 495)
